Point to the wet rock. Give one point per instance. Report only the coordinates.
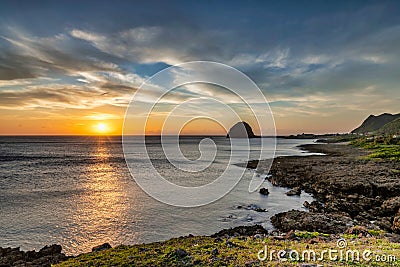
(101, 247)
(260, 210)
(252, 164)
(255, 208)
(294, 192)
(309, 221)
(264, 191)
(241, 230)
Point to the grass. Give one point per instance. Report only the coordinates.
(308, 235)
(386, 152)
(379, 150)
(238, 251)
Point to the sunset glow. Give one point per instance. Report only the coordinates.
(76, 73)
(102, 128)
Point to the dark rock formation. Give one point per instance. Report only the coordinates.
(294, 192)
(308, 221)
(358, 230)
(342, 183)
(101, 247)
(241, 231)
(252, 164)
(241, 130)
(396, 223)
(314, 206)
(47, 256)
(264, 191)
(252, 207)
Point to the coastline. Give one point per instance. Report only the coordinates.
(349, 189)
(354, 197)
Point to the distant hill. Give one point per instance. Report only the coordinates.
(376, 123)
(392, 127)
(241, 130)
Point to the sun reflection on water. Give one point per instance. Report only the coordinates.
(101, 210)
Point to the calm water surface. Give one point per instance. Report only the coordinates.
(77, 192)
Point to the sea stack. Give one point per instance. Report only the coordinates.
(241, 130)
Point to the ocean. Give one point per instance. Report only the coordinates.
(77, 191)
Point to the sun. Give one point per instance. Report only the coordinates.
(101, 127)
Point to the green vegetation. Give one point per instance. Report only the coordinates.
(392, 127)
(382, 147)
(376, 232)
(309, 235)
(237, 251)
(340, 138)
(391, 152)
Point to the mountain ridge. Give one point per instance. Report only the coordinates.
(377, 124)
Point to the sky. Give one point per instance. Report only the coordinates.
(71, 67)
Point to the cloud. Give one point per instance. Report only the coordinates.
(307, 65)
(56, 96)
(156, 44)
(23, 56)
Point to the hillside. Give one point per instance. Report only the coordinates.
(392, 127)
(375, 123)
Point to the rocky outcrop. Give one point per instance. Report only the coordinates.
(252, 164)
(264, 191)
(314, 206)
(241, 231)
(294, 192)
(342, 183)
(309, 221)
(241, 130)
(101, 247)
(47, 256)
(396, 223)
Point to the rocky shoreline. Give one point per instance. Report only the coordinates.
(46, 256)
(349, 190)
(353, 195)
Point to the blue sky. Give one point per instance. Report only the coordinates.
(323, 65)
